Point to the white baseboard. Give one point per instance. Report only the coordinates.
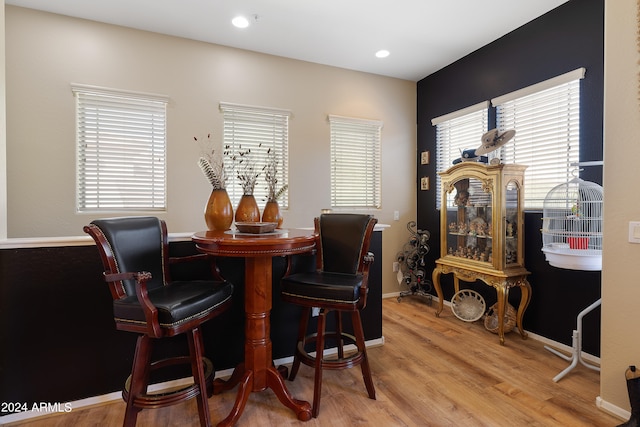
(612, 409)
(50, 408)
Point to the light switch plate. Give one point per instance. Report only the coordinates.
(634, 231)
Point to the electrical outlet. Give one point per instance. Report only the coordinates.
(396, 266)
(396, 215)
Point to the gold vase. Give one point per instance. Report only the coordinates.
(248, 210)
(271, 213)
(218, 213)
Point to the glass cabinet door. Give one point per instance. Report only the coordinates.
(469, 221)
(512, 198)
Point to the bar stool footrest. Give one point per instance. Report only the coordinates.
(353, 359)
(160, 399)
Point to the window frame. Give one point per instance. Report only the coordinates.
(466, 126)
(264, 130)
(356, 145)
(121, 146)
(546, 117)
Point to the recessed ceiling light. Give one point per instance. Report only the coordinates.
(240, 22)
(382, 53)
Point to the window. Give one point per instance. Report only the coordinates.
(355, 162)
(455, 132)
(546, 117)
(264, 131)
(121, 141)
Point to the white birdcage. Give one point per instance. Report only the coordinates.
(572, 239)
(572, 225)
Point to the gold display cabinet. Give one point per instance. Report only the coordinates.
(482, 230)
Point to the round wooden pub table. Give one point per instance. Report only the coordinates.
(257, 372)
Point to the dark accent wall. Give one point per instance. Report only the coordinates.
(568, 37)
(58, 337)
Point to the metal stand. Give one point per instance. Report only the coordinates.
(576, 355)
(411, 263)
(416, 292)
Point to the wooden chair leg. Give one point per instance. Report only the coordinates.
(340, 341)
(302, 332)
(139, 378)
(366, 370)
(317, 382)
(197, 369)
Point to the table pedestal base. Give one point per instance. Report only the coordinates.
(274, 381)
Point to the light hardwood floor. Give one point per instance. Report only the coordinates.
(430, 372)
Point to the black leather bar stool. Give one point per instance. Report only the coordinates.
(339, 284)
(135, 255)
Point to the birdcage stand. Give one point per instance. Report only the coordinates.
(576, 354)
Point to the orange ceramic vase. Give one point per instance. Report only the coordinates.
(271, 213)
(248, 210)
(218, 213)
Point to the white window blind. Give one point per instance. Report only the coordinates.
(121, 140)
(546, 118)
(455, 132)
(263, 131)
(355, 162)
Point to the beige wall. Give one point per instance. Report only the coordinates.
(45, 53)
(620, 281)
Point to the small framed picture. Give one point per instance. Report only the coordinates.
(424, 183)
(424, 158)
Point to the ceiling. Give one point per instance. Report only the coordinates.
(422, 36)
